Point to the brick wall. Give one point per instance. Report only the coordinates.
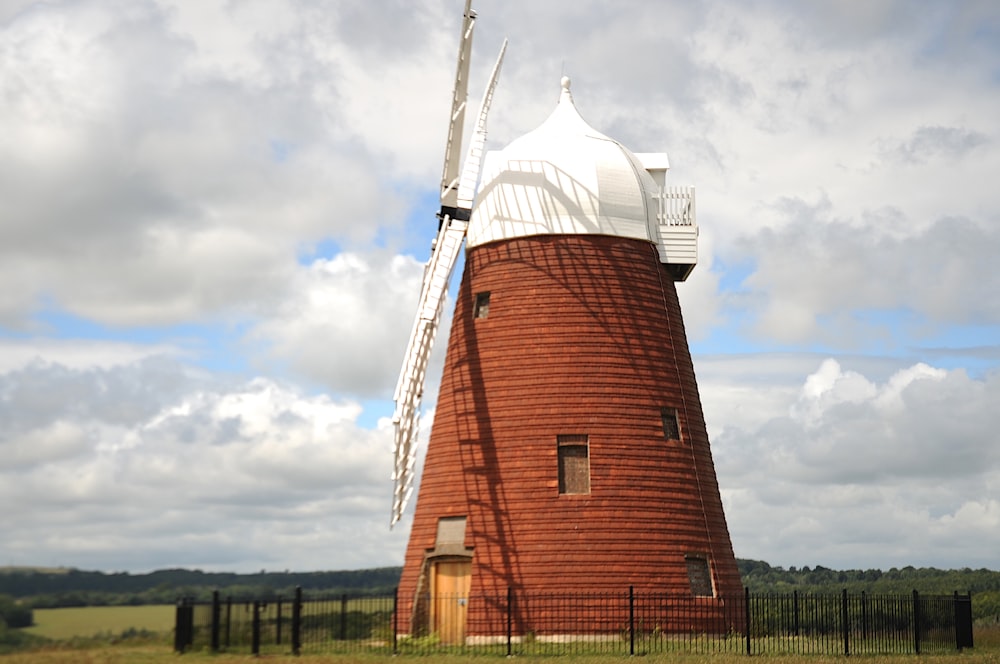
(584, 336)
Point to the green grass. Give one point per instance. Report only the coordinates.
(74, 650)
(62, 624)
(158, 655)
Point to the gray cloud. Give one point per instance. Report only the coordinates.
(866, 473)
(146, 182)
(812, 276)
(142, 462)
(172, 163)
(929, 142)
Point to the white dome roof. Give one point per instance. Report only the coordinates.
(565, 177)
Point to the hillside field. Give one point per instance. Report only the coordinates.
(87, 621)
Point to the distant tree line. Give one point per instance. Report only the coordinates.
(70, 587)
(984, 584)
(759, 576)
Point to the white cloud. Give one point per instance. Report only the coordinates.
(76, 353)
(153, 175)
(914, 454)
(249, 475)
(699, 295)
(165, 165)
(344, 322)
(812, 278)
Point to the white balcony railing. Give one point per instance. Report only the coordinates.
(677, 230)
(676, 206)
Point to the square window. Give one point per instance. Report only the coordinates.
(671, 428)
(574, 464)
(699, 575)
(451, 530)
(482, 307)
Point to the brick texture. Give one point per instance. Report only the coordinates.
(584, 336)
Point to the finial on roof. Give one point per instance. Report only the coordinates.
(565, 94)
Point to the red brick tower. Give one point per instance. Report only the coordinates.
(569, 452)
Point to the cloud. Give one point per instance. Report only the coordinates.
(926, 143)
(149, 466)
(174, 168)
(135, 198)
(813, 277)
(914, 455)
(77, 353)
(344, 322)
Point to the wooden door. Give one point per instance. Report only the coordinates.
(450, 599)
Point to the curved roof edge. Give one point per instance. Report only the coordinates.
(565, 177)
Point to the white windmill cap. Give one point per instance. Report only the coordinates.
(564, 177)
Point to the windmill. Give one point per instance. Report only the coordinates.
(569, 451)
(456, 206)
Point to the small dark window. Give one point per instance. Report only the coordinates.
(699, 575)
(482, 308)
(671, 429)
(574, 464)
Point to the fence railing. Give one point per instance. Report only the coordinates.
(614, 623)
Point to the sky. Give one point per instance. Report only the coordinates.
(214, 216)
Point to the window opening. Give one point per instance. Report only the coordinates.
(482, 307)
(574, 463)
(671, 428)
(451, 530)
(699, 575)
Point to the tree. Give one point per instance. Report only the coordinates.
(15, 615)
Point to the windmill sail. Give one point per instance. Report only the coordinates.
(459, 100)
(474, 160)
(456, 206)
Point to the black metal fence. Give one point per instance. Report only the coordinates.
(616, 623)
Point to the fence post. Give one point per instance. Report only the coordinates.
(864, 616)
(631, 620)
(183, 625)
(297, 621)
(255, 629)
(178, 642)
(216, 620)
(746, 614)
(189, 622)
(229, 618)
(963, 620)
(277, 624)
(845, 625)
(343, 616)
(795, 612)
(916, 621)
(510, 617)
(395, 619)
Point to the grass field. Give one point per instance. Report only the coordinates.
(62, 624)
(89, 636)
(158, 654)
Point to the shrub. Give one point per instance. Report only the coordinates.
(15, 615)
